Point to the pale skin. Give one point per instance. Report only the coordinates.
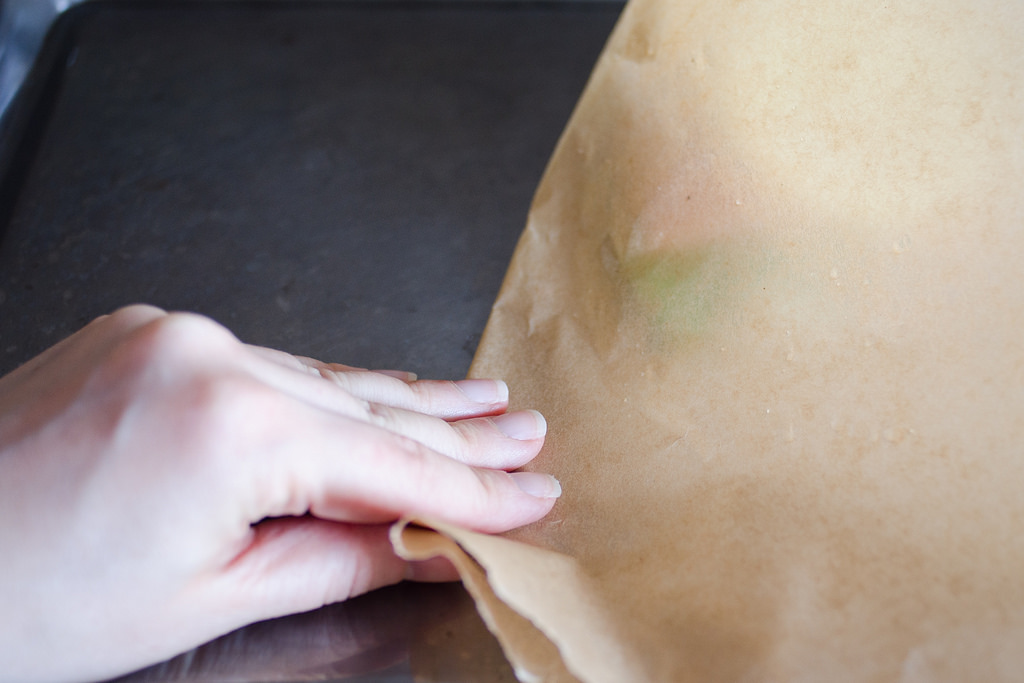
(162, 483)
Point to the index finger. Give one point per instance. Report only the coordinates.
(447, 399)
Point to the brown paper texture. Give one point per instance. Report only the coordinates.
(514, 583)
(770, 299)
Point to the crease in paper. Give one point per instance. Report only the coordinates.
(528, 597)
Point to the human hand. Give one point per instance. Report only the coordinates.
(162, 483)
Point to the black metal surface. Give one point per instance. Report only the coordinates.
(428, 633)
(341, 180)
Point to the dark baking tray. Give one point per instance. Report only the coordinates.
(342, 180)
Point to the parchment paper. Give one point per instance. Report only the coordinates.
(770, 299)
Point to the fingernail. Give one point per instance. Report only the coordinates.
(537, 484)
(484, 390)
(521, 425)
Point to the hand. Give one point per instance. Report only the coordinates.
(162, 483)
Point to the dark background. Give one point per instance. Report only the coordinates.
(338, 179)
(341, 180)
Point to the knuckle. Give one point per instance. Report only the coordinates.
(339, 378)
(318, 369)
(136, 313)
(419, 463)
(413, 457)
(464, 494)
(470, 435)
(382, 416)
(378, 414)
(175, 341)
(225, 416)
(490, 492)
(129, 317)
(382, 389)
(232, 398)
(187, 333)
(426, 397)
(160, 356)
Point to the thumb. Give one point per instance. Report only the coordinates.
(296, 564)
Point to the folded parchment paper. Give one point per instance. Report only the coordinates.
(771, 300)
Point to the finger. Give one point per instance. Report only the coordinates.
(440, 398)
(304, 379)
(501, 441)
(505, 441)
(311, 365)
(345, 469)
(449, 400)
(297, 564)
(298, 363)
(407, 377)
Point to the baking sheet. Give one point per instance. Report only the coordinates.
(292, 170)
(342, 180)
